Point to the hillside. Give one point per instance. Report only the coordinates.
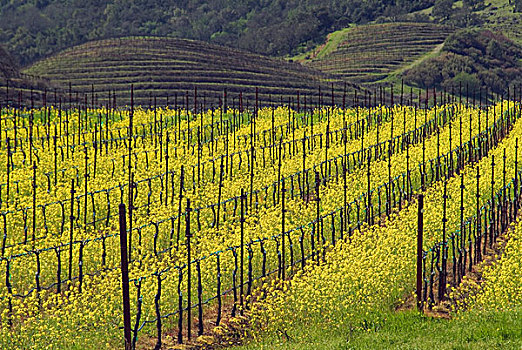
(371, 53)
(8, 67)
(32, 29)
(161, 67)
(472, 59)
(15, 85)
(496, 15)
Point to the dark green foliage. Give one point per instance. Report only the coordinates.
(517, 6)
(35, 28)
(464, 16)
(442, 9)
(8, 67)
(475, 5)
(470, 81)
(471, 58)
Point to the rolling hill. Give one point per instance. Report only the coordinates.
(167, 67)
(370, 53)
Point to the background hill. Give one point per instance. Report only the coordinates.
(31, 29)
(370, 53)
(161, 67)
(370, 42)
(473, 43)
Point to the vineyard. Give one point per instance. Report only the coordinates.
(284, 213)
(368, 54)
(166, 68)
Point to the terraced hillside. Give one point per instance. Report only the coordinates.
(167, 67)
(370, 53)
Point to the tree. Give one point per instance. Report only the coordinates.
(474, 5)
(468, 81)
(518, 6)
(442, 9)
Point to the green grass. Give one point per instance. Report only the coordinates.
(411, 330)
(332, 43)
(503, 19)
(86, 337)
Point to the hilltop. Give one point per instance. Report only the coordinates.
(367, 42)
(167, 67)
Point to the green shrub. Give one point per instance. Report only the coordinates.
(473, 58)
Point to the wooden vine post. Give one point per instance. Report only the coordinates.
(125, 278)
(283, 213)
(420, 232)
(188, 235)
(242, 243)
(443, 272)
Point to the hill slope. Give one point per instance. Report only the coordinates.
(500, 16)
(472, 59)
(370, 53)
(32, 29)
(161, 67)
(15, 85)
